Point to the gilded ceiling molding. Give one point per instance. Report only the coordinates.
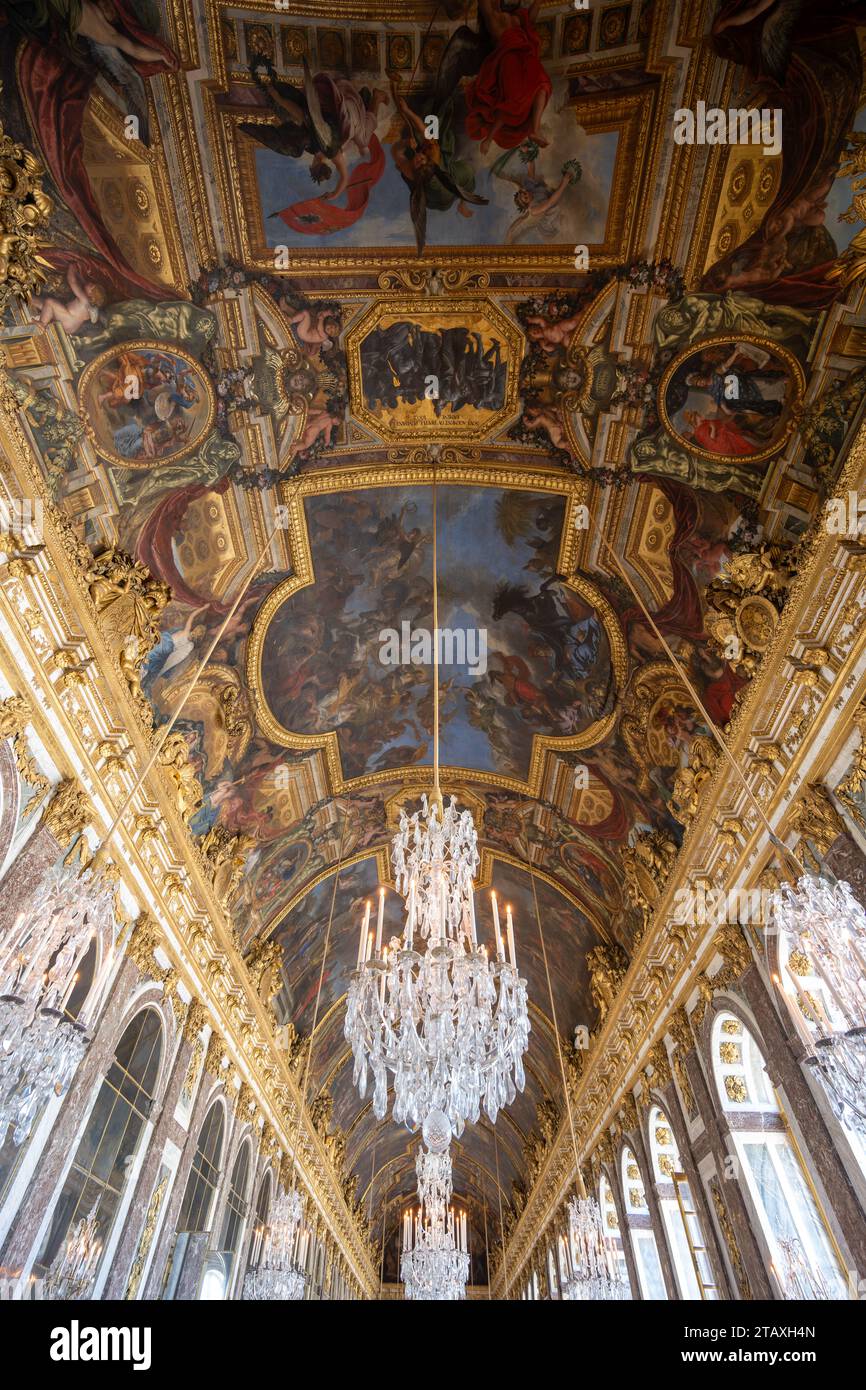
(817, 822)
(128, 602)
(143, 941)
(67, 812)
(730, 943)
(849, 789)
(744, 603)
(647, 863)
(197, 1018)
(658, 1074)
(350, 479)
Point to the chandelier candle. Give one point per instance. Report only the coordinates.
(362, 944)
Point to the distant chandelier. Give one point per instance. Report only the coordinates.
(280, 1275)
(429, 1007)
(825, 923)
(435, 1259)
(590, 1267)
(72, 1275)
(40, 1046)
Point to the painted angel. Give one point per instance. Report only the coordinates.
(537, 202)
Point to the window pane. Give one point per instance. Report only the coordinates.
(104, 1158)
(650, 1270)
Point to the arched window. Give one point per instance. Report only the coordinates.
(205, 1173)
(263, 1209)
(236, 1210)
(685, 1237)
(643, 1241)
(317, 1277)
(786, 1207)
(610, 1223)
(105, 1156)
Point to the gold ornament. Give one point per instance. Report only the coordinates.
(24, 211)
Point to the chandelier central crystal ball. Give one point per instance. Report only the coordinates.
(429, 1007)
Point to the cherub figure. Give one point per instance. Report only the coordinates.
(320, 329)
(551, 334)
(72, 314)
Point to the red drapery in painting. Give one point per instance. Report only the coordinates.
(55, 92)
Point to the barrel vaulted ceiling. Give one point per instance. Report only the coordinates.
(278, 251)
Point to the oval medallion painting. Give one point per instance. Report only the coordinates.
(731, 398)
(148, 404)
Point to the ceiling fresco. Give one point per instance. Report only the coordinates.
(302, 266)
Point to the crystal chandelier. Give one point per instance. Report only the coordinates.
(40, 1046)
(826, 925)
(280, 1275)
(591, 1268)
(72, 1274)
(450, 1024)
(435, 1258)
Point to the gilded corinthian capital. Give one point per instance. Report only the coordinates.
(67, 813)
